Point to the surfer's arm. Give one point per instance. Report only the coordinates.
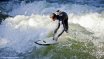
(57, 28)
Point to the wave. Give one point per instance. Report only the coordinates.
(31, 22)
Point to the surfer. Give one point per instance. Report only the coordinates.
(62, 17)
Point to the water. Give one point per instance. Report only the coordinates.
(31, 22)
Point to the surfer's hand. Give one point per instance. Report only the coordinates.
(56, 38)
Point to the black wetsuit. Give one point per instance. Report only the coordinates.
(62, 17)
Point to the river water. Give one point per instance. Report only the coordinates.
(31, 22)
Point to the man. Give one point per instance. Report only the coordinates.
(61, 17)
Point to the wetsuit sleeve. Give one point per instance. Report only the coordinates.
(57, 28)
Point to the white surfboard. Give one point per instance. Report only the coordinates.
(47, 41)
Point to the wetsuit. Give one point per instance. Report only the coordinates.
(62, 17)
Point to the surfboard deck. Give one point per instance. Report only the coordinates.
(47, 41)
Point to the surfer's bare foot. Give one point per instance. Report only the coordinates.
(66, 31)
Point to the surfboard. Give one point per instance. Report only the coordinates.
(47, 41)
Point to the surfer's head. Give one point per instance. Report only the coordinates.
(53, 16)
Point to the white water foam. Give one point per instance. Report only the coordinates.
(21, 31)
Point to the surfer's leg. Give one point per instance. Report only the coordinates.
(66, 25)
(57, 28)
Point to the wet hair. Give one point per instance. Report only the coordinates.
(53, 16)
